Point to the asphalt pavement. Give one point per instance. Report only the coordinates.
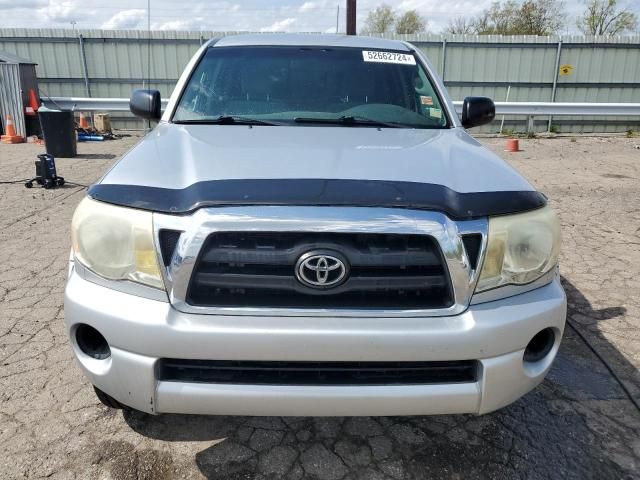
(581, 423)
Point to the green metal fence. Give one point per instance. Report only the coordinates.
(105, 63)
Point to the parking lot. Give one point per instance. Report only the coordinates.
(579, 424)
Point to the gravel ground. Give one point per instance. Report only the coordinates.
(578, 424)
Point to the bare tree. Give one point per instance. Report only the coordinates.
(601, 17)
(533, 17)
(499, 19)
(460, 26)
(540, 17)
(411, 22)
(380, 20)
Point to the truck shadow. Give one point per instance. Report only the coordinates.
(579, 423)
(95, 156)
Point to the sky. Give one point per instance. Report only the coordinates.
(235, 15)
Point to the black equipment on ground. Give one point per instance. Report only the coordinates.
(46, 173)
(59, 132)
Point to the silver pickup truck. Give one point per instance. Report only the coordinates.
(309, 230)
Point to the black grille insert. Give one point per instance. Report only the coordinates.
(168, 243)
(316, 373)
(472, 244)
(257, 269)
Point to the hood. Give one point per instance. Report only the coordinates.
(177, 156)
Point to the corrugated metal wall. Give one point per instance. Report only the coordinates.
(117, 62)
(11, 97)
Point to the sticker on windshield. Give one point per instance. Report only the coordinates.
(424, 100)
(388, 57)
(435, 113)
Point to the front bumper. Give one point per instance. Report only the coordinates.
(140, 331)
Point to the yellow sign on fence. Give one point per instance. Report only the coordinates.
(566, 70)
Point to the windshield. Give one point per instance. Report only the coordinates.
(311, 86)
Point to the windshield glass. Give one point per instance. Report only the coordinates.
(311, 86)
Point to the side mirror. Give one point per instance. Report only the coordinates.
(477, 111)
(145, 104)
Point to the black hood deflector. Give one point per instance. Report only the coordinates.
(319, 192)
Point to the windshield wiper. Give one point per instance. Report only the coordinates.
(226, 120)
(348, 120)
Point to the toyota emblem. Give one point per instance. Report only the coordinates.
(321, 269)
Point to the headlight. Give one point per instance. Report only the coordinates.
(520, 248)
(115, 242)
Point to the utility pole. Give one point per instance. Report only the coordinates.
(351, 17)
(338, 19)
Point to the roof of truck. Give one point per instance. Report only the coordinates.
(306, 39)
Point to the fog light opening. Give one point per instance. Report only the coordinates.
(540, 345)
(92, 343)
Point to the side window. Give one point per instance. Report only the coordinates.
(426, 98)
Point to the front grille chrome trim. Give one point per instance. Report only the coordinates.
(203, 222)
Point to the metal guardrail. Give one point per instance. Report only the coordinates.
(560, 109)
(502, 108)
(84, 104)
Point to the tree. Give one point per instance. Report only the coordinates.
(540, 17)
(411, 22)
(460, 26)
(380, 20)
(602, 18)
(499, 19)
(533, 17)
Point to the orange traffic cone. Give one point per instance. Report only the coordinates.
(11, 135)
(512, 145)
(33, 106)
(83, 122)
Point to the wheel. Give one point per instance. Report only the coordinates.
(29, 184)
(60, 181)
(109, 401)
(48, 184)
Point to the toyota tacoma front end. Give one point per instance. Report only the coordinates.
(309, 230)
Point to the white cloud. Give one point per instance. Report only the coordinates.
(15, 4)
(65, 12)
(279, 26)
(186, 24)
(126, 19)
(306, 6)
(236, 15)
(449, 9)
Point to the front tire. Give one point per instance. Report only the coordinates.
(109, 401)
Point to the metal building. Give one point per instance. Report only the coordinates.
(113, 63)
(17, 77)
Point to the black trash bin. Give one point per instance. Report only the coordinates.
(59, 132)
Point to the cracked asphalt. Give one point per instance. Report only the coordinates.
(579, 424)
